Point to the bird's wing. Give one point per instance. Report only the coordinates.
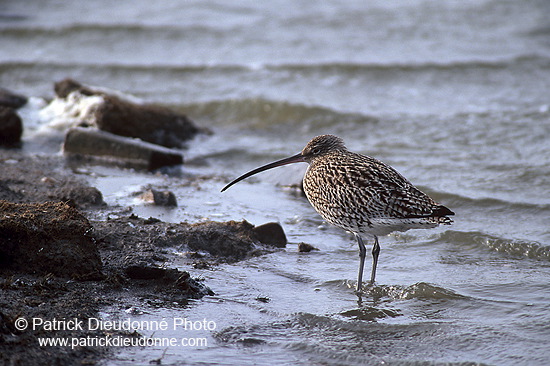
(383, 192)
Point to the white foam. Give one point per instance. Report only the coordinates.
(74, 110)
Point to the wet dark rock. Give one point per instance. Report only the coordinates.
(150, 123)
(107, 146)
(181, 283)
(12, 100)
(47, 238)
(271, 233)
(169, 280)
(225, 241)
(159, 198)
(144, 272)
(78, 196)
(306, 248)
(11, 127)
(231, 240)
(234, 240)
(137, 246)
(154, 124)
(150, 220)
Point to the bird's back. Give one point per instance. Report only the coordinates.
(363, 195)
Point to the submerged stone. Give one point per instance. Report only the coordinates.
(306, 248)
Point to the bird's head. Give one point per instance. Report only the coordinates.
(322, 145)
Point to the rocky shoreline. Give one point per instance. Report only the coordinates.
(58, 261)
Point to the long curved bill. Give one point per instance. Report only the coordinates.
(292, 159)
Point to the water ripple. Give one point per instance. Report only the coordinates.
(513, 247)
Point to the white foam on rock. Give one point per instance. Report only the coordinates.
(74, 110)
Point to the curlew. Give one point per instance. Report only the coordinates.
(360, 194)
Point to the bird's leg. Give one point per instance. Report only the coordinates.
(362, 255)
(375, 253)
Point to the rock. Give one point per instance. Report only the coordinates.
(225, 241)
(231, 240)
(94, 143)
(271, 233)
(159, 198)
(182, 281)
(144, 272)
(12, 100)
(11, 127)
(47, 238)
(150, 123)
(66, 86)
(78, 196)
(169, 280)
(154, 124)
(306, 248)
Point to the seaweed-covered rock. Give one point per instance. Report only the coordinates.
(226, 241)
(169, 280)
(47, 238)
(231, 240)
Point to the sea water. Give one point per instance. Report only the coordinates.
(453, 94)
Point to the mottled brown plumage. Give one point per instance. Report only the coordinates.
(360, 194)
(363, 195)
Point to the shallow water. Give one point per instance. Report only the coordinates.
(452, 94)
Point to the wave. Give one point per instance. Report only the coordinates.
(336, 67)
(420, 290)
(123, 30)
(268, 114)
(326, 339)
(512, 247)
(361, 68)
(122, 67)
